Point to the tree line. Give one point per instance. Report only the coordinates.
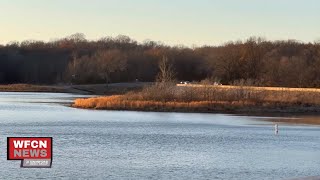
(74, 59)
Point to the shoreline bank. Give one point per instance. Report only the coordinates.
(120, 103)
(111, 103)
(164, 97)
(297, 116)
(91, 89)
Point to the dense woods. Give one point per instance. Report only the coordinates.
(75, 59)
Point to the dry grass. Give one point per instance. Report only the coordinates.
(119, 102)
(207, 99)
(253, 88)
(27, 88)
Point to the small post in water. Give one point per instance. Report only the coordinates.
(276, 129)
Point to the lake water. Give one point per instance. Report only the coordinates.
(90, 144)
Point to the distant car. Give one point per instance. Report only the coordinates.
(185, 82)
(217, 84)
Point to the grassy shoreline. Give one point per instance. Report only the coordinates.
(250, 101)
(192, 99)
(117, 103)
(216, 99)
(186, 98)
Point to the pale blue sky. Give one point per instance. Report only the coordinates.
(186, 22)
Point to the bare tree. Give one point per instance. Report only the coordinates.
(77, 37)
(73, 66)
(109, 62)
(166, 73)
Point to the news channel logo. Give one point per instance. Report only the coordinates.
(33, 152)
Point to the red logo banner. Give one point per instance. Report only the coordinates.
(33, 151)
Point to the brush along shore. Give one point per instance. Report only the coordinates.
(206, 98)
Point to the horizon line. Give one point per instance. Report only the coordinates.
(317, 40)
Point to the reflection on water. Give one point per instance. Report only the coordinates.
(91, 144)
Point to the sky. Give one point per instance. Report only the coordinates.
(173, 22)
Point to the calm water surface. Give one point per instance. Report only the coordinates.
(91, 144)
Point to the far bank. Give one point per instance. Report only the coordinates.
(94, 89)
